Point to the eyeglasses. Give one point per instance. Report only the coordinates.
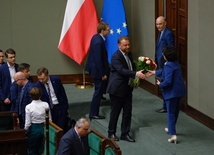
(17, 80)
(86, 129)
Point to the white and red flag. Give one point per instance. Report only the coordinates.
(79, 25)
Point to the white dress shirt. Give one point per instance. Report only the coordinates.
(12, 71)
(35, 113)
(52, 92)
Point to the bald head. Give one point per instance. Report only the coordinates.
(160, 23)
(20, 78)
(19, 75)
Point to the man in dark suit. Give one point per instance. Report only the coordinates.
(75, 141)
(1, 57)
(23, 97)
(98, 68)
(14, 88)
(165, 38)
(7, 71)
(54, 94)
(121, 74)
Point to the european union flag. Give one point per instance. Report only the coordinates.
(113, 13)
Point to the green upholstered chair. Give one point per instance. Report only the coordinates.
(55, 134)
(109, 151)
(97, 143)
(112, 148)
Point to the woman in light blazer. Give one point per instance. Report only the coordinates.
(173, 89)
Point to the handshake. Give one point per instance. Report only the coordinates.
(140, 74)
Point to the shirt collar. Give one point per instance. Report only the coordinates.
(77, 133)
(123, 52)
(9, 65)
(102, 37)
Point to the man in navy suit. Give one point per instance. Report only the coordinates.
(7, 71)
(98, 68)
(165, 38)
(121, 74)
(1, 57)
(14, 88)
(23, 97)
(54, 94)
(75, 141)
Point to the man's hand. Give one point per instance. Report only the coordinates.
(150, 73)
(7, 101)
(140, 75)
(104, 77)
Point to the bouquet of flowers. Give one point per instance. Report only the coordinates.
(143, 63)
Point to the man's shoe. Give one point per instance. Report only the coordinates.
(113, 136)
(162, 110)
(103, 98)
(127, 138)
(96, 117)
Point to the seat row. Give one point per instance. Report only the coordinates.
(13, 140)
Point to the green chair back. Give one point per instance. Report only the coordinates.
(94, 143)
(109, 151)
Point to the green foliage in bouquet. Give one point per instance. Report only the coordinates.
(145, 64)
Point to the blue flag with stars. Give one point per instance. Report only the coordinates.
(113, 13)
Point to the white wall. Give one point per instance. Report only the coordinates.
(143, 29)
(32, 28)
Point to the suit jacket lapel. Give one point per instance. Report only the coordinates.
(78, 141)
(123, 59)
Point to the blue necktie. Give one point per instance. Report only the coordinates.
(160, 35)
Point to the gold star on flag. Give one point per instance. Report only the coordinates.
(111, 31)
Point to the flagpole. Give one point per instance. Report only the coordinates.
(83, 84)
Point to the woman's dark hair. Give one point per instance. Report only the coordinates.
(170, 53)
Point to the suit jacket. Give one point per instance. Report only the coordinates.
(173, 83)
(70, 144)
(5, 81)
(120, 75)
(23, 99)
(2, 63)
(14, 92)
(58, 89)
(167, 39)
(97, 63)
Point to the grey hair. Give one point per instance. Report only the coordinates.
(81, 122)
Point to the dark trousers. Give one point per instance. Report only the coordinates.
(99, 88)
(172, 114)
(118, 104)
(21, 121)
(59, 116)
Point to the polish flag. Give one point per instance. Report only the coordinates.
(79, 25)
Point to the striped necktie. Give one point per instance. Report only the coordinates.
(49, 95)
